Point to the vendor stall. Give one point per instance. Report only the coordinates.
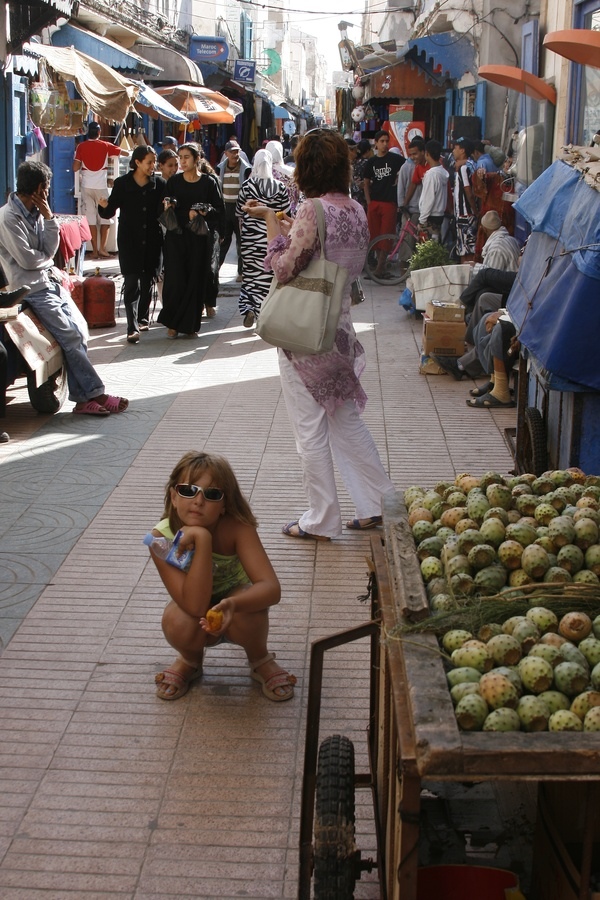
(554, 305)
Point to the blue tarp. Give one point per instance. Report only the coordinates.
(555, 302)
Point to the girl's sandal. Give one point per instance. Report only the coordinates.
(277, 682)
(181, 684)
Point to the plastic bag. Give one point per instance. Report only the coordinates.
(168, 220)
(198, 226)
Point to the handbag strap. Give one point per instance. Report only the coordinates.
(320, 224)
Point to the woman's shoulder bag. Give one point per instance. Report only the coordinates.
(302, 315)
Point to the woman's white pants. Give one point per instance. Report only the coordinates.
(321, 439)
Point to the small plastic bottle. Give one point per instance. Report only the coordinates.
(159, 545)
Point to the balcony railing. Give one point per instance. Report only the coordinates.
(134, 16)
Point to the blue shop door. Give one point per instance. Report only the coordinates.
(62, 187)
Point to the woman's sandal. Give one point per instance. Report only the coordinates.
(91, 408)
(365, 524)
(488, 401)
(278, 681)
(115, 404)
(483, 390)
(300, 533)
(171, 677)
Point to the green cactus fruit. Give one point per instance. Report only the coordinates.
(490, 478)
(596, 627)
(509, 625)
(464, 674)
(442, 486)
(430, 499)
(512, 674)
(535, 561)
(592, 559)
(443, 603)
(502, 720)
(499, 495)
(584, 576)
(586, 513)
(430, 547)
(586, 533)
(518, 577)
(557, 575)
(570, 678)
(509, 554)
(505, 650)
(458, 563)
(573, 654)
(498, 690)
(431, 567)
(522, 532)
(493, 530)
(471, 712)
(527, 504)
(544, 513)
(544, 541)
(561, 531)
(453, 515)
(455, 498)
(595, 677)
(465, 524)
(558, 502)
(564, 720)
(592, 719)
(481, 555)
(423, 529)
(455, 638)
(461, 690)
(548, 652)
(527, 634)
(491, 580)
(488, 631)
(477, 507)
(469, 539)
(544, 619)
(436, 586)
(462, 583)
(496, 512)
(472, 658)
(535, 673)
(534, 713)
(554, 699)
(542, 485)
(412, 493)
(582, 703)
(570, 558)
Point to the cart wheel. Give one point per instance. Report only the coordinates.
(395, 270)
(534, 451)
(335, 855)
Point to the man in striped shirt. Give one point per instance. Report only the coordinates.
(233, 171)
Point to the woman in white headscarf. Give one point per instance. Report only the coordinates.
(284, 173)
(263, 188)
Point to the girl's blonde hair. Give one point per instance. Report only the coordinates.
(189, 468)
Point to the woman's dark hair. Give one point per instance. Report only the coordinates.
(322, 163)
(140, 154)
(194, 150)
(164, 155)
(30, 175)
(206, 167)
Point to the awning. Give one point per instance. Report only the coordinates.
(108, 94)
(175, 67)
(152, 104)
(209, 107)
(404, 81)
(103, 50)
(281, 113)
(519, 80)
(580, 45)
(448, 55)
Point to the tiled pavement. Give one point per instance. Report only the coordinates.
(105, 791)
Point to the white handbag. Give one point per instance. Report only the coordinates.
(302, 315)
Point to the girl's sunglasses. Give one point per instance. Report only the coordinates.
(188, 491)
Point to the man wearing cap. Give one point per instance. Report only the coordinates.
(91, 159)
(233, 171)
(465, 204)
(500, 251)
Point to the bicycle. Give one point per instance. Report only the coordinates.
(395, 268)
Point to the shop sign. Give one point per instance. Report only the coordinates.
(245, 71)
(205, 49)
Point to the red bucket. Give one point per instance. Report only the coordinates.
(465, 883)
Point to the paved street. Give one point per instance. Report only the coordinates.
(107, 792)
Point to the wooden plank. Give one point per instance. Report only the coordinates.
(404, 570)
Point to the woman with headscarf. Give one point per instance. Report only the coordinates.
(284, 174)
(267, 191)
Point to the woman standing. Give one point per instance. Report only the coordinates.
(263, 189)
(139, 196)
(191, 278)
(285, 174)
(322, 392)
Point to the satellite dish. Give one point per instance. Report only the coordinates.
(274, 62)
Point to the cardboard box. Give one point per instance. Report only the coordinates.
(443, 338)
(443, 311)
(439, 283)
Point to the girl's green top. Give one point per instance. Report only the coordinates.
(228, 571)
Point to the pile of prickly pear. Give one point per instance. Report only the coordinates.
(477, 536)
(532, 673)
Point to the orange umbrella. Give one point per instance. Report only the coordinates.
(581, 45)
(200, 103)
(519, 80)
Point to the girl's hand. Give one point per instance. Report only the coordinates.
(257, 211)
(103, 202)
(188, 536)
(192, 214)
(227, 607)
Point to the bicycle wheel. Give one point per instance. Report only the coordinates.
(383, 262)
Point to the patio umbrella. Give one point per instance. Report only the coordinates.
(151, 103)
(201, 103)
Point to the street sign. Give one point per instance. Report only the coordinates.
(245, 71)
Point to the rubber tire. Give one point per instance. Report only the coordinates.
(397, 271)
(334, 831)
(49, 396)
(534, 451)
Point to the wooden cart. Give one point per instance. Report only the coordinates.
(412, 735)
